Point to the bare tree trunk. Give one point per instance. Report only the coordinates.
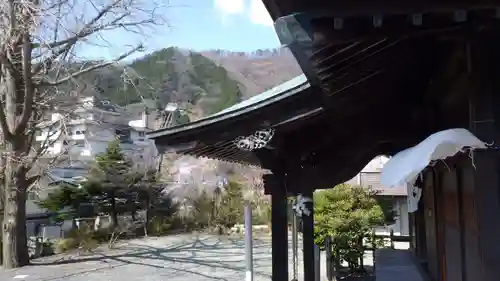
(1, 222)
(27, 61)
(148, 213)
(2, 197)
(112, 212)
(15, 250)
(132, 207)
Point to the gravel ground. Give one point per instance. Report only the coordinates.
(173, 258)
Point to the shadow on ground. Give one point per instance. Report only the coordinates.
(368, 276)
(358, 278)
(212, 253)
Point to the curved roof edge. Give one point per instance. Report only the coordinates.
(256, 102)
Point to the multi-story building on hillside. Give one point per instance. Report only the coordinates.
(83, 131)
(88, 130)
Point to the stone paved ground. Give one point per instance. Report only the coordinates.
(173, 258)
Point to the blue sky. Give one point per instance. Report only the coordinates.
(237, 25)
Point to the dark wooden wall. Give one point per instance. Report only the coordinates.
(429, 214)
(448, 215)
(471, 254)
(461, 197)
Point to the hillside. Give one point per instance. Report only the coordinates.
(201, 83)
(258, 71)
(196, 83)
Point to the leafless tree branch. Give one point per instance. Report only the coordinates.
(76, 74)
(39, 43)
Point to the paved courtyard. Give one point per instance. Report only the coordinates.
(173, 258)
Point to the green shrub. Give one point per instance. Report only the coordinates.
(66, 244)
(348, 214)
(101, 235)
(160, 226)
(82, 238)
(48, 248)
(88, 244)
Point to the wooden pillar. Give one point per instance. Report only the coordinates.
(485, 119)
(329, 258)
(411, 232)
(308, 238)
(275, 185)
(419, 231)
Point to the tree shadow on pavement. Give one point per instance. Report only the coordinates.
(368, 276)
(199, 256)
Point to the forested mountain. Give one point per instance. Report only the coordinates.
(201, 83)
(257, 71)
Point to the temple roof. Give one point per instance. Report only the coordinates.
(321, 8)
(213, 136)
(375, 85)
(254, 103)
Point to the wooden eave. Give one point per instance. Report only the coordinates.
(240, 112)
(386, 87)
(379, 94)
(321, 8)
(214, 136)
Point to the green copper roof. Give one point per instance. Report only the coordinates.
(290, 84)
(275, 94)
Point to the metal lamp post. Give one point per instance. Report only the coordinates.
(248, 237)
(248, 242)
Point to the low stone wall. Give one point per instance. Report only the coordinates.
(396, 265)
(240, 228)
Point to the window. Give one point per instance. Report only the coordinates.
(141, 134)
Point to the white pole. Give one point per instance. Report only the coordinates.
(248, 243)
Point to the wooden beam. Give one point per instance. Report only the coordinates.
(320, 8)
(398, 26)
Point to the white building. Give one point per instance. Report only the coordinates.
(88, 129)
(84, 131)
(370, 177)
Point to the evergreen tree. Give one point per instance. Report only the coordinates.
(231, 207)
(113, 177)
(68, 201)
(348, 214)
(152, 198)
